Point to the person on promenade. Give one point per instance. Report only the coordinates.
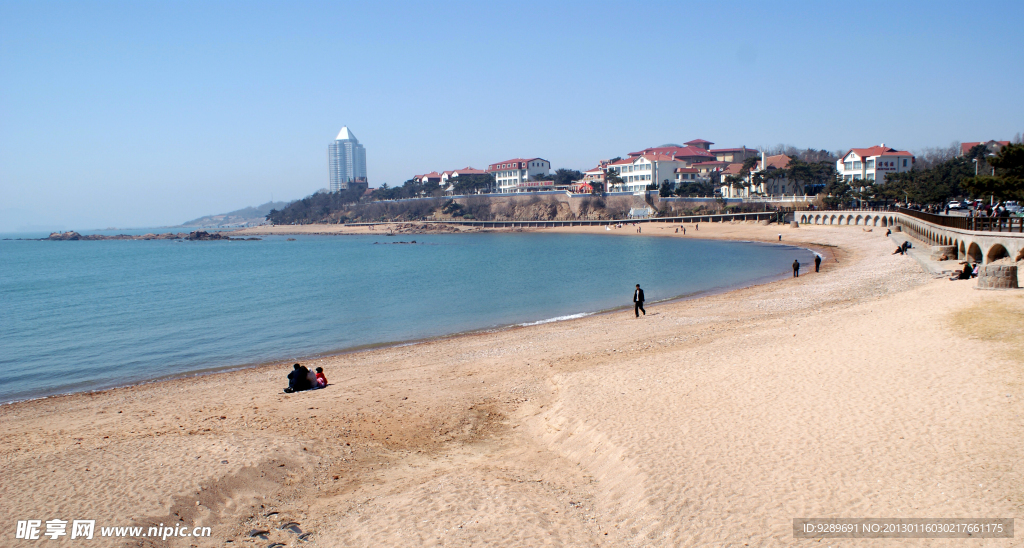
(321, 379)
(638, 301)
(817, 262)
(297, 379)
(796, 268)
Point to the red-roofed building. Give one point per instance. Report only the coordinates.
(687, 154)
(454, 174)
(515, 175)
(686, 175)
(432, 177)
(734, 154)
(873, 163)
(991, 147)
(700, 143)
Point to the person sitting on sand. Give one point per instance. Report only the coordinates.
(311, 378)
(898, 250)
(297, 379)
(963, 274)
(321, 380)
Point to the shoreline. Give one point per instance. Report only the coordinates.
(714, 419)
(337, 352)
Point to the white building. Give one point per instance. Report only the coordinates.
(514, 175)
(638, 172)
(873, 163)
(346, 161)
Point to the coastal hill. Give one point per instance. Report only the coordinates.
(249, 216)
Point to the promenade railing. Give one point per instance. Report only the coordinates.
(983, 224)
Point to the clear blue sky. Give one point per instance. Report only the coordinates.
(150, 113)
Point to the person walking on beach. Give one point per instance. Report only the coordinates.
(796, 268)
(780, 237)
(638, 301)
(817, 262)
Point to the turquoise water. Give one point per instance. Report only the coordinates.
(78, 316)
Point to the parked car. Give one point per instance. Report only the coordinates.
(955, 205)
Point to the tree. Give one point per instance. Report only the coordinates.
(1008, 181)
(471, 183)
(838, 192)
(565, 177)
(734, 181)
(612, 178)
(666, 189)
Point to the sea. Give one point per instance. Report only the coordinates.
(88, 315)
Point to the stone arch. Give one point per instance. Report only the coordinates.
(996, 252)
(885, 222)
(859, 220)
(803, 219)
(817, 219)
(832, 221)
(875, 221)
(849, 219)
(974, 253)
(1020, 255)
(962, 251)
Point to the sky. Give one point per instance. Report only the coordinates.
(144, 114)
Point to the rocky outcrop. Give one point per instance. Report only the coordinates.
(198, 235)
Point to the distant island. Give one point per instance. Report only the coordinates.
(250, 216)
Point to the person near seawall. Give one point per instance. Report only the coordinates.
(638, 301)
(796, 268)
(817, 262)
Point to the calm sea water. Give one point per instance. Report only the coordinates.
(81, 315)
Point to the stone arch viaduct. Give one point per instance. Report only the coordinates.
(980, 240)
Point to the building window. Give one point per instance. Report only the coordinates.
(904, 162)
(848, 166)
(871, 164)
(856, 165)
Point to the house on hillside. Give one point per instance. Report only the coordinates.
(734, 154)
(873, 163)
(637, 172)
(991, 147)
(520, 174)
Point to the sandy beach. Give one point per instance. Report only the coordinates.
(869, 389)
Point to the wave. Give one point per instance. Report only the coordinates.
(557, 319)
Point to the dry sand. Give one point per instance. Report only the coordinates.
(866, 390)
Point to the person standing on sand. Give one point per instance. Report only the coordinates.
(817, 262)
(780, 237)
(796, 268)
(638, 301)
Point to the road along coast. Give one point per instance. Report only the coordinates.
(866, 390)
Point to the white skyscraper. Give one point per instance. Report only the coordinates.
(346, 161)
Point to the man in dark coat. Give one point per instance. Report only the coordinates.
(297, 379)
(817, 262)
(796, 268)
(638, 301)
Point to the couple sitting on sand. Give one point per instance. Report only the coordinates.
(965, 273)
(303, 379)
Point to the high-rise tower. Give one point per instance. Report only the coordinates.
(346, 160)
